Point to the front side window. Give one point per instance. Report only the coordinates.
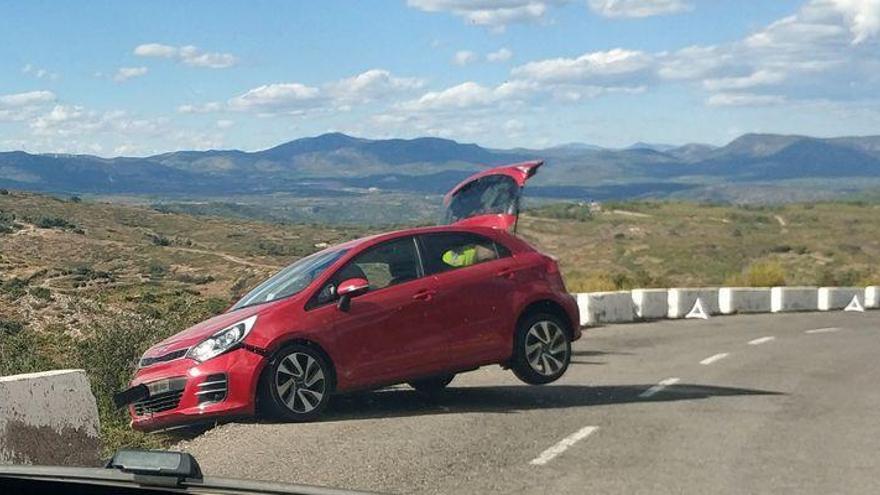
(449, 251)
(390, 263)
(291, 280)
(492, 194)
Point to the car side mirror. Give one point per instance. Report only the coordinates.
(348, 289)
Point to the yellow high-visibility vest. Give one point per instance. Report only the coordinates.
(466, 257)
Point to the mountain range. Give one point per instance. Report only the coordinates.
(336, 164)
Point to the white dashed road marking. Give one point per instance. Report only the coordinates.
(657, 388)
(563, 445)
(823, 330)
(762, 340)
(716, 357)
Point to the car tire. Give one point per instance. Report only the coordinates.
(297, 383)
(432, 385)
(542, 349)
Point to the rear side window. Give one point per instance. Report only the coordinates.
(454, 250)
(486, 195)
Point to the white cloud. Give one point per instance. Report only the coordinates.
(371, 85)
(26, 99)
(224, 123)
(495, 14)
(468, 95)
(744, 100)
(464, 57)
(293, 97)
(189, 55)
(126, 73)
(757, 78)
(863, 17)
(594, 66)
(38, 72)
(638, 8)
(276, 97)
(502, 55)
(211, 106)
(155, 50)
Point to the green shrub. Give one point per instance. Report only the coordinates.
(14, 287)
(760, 274)
(54, 223)
(41, 293)
(21, 350)
(109, 353)
(159, 240)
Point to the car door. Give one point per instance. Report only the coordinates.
(475, 280)
(386, 334)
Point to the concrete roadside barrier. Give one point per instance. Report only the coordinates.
(606, 307)
(681, 301)
(49, 418)
(872, 297)
(651, 304)
(744, 300)
(838, 297)
(786, 299)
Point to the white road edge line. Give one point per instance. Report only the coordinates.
(563, 445)
(660, 386)
(823, 330)
(761, 340)
(716, 357)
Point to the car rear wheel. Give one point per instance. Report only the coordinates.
(543, 349)
(297, 383)
(432, 385)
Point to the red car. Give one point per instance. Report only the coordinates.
(415, 306)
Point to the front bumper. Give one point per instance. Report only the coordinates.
(181, 403)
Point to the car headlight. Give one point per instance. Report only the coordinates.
(222, 341)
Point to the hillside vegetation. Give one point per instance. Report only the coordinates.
(667, 244)
(92, 285)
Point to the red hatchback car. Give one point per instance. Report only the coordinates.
(415, 306)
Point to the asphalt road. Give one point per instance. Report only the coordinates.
(714, 406)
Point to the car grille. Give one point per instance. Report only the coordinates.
(213, 389)
(163, 358)
(160, 402)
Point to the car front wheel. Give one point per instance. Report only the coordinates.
(297, 383)
(543, 349)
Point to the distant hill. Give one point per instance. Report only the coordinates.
(336, 164)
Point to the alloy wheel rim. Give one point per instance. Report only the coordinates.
(546, 349)
(300, 382)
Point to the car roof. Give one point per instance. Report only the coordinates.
(377, 238)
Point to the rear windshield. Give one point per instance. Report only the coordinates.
(487, 195)
(292, 279)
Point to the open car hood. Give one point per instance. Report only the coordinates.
(490, 198)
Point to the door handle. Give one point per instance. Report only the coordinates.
(424, 295)
(506, 273)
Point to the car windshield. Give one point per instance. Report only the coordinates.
(291, 280)
(486, 195)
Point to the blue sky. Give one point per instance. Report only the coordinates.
(137, 78)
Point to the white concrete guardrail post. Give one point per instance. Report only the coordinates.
(681, 301)
(786, 299)
(49, 418)
(606, 307)
(744, 300)
(872, 297)
(838, 297)
(651, 304)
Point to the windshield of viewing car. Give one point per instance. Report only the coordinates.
(488, 195)
(291, 280)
